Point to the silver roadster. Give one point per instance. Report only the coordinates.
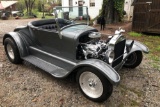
(66, 45)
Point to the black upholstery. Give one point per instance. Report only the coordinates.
(50, 24)
(43, 22)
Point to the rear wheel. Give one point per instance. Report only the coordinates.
(134, 60)
(93, 84)
(12, 51)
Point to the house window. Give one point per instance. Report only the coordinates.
(70, 4)
(80, 3)
(92, 3)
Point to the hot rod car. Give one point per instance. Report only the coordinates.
(66, 45)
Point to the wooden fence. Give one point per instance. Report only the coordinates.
(146, 16)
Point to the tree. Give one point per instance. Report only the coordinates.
(39, 6)
(29, 6)
(113, 10)
(20, 5)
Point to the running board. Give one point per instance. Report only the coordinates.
(48, 67)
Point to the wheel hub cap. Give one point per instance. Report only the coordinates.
(92, 83)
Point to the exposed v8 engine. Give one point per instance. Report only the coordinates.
(95, 48)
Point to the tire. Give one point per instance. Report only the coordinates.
(134, 60)
(12, 51)
(93, 84)
(14, 15)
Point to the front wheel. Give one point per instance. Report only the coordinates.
(134, 60)
(93, 84)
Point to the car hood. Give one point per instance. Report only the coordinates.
(75, 31)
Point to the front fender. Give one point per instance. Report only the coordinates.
(103, 67)
(19, 42)
(137, 46)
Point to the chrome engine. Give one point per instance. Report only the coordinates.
(94, 49)
(104, 49)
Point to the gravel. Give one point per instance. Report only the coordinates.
(28, 86)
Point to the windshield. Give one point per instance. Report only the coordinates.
(76, 14)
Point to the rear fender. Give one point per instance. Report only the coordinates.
(19, 42)
(19, 28)
(137, 46)
(103, 67)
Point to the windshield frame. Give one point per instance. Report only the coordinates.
(72, 22)
(61, 8)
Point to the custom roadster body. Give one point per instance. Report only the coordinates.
(63, 46)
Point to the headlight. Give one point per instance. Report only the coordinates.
(111, 56)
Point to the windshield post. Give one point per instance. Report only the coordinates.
(57, 23)
(59, 30)
(87, 16)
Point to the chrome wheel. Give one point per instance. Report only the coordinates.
(10, 51)
(90, 84)
(93, 84)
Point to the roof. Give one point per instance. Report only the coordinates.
(1, 7)
(5, 4)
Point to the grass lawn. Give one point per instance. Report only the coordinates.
(153, 43)
(40, 14)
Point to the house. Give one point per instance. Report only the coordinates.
(8, 5)
(94, 6)
(1, 7)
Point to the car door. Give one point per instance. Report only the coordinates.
(48, 40)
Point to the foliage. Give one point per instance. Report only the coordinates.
(35, 12)
(119, 6)
(158, 47)
(113, 10)
(135, 34)
(46, 7)
(40, 15)
(20, 5)
(30, 7)
(39, 6)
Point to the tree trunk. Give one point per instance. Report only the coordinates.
(29, 6)
(26, 3)
(111, 13)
